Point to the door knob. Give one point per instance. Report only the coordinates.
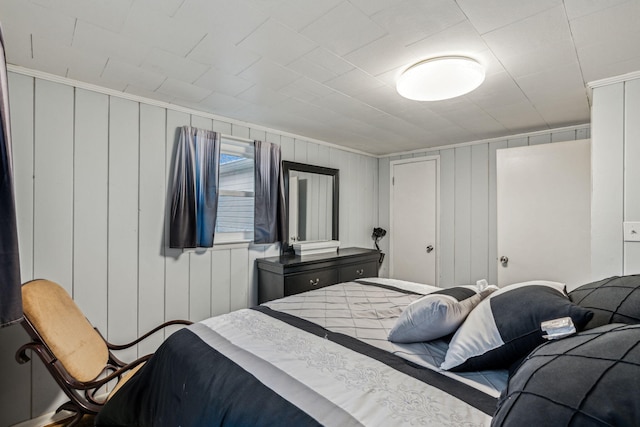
(429, 249)
(504, 260)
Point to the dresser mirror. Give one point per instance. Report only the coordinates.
(311, 200)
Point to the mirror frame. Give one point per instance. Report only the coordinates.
(288, 166)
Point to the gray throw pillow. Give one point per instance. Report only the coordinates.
(437, 314)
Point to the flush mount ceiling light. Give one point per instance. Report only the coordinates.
(440, 78)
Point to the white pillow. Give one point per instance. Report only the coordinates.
(437, 314)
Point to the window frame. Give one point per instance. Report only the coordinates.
(242, 148)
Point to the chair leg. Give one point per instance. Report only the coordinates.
(67, 406)
(71, 407)
(75, 419)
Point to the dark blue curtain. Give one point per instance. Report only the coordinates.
(10, 293)
(269, 194)
(194, 202)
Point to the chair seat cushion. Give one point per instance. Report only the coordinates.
(64, 329)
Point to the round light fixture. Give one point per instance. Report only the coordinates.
(440, 78)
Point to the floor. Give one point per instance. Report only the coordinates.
(53, 420)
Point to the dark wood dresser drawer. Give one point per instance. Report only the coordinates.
(297, 283)
(290, 274)
(358, 271)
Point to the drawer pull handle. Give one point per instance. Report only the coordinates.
(360, 272)
(314, 282)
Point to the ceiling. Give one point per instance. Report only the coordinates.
(325, 69)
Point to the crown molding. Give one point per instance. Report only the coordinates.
(486, 141)
(613, 80)
(137, 98)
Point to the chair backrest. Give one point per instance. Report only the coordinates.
(64, 329)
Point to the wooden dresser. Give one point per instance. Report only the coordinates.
(291, 274)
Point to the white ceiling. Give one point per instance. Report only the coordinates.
(325, 69)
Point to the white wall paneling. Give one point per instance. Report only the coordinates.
(257, 135)
(462, 217)
(468, 203)
(273, 138)
(239, 297)
(92, 174)
(90, 206)
(447, 219)
(151, 219)
(384, 214)
(540, 139)
(123, 223)
(254, 252)
(583, 133)
(616, 153)
(372, 165)
(345, 175)
(52, 209)
(221, 286)
(518, 142)
(479, 211)
(312, 154)
(53, 187)
(240, 131)
(607, 179)
(199, 285)
(632, 171)
(300, 151)
(287, 148)
(353, 198)
(222, 127)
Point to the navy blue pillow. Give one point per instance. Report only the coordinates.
(587, 379)
(612, 300)
(505, 326)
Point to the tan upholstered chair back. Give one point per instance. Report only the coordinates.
(64, 329)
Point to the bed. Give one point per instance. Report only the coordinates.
(325, 357)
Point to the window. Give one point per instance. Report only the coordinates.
(236, 192)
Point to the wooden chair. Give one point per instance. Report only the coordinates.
(75, 353)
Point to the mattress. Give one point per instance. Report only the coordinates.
(319, 358)
(367, 309)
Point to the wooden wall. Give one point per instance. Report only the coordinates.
(615, 177)
(92, 175)
(467, 203)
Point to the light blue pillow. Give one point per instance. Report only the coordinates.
(437, 314)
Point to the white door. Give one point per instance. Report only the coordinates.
(414, 220)
(544, 213)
